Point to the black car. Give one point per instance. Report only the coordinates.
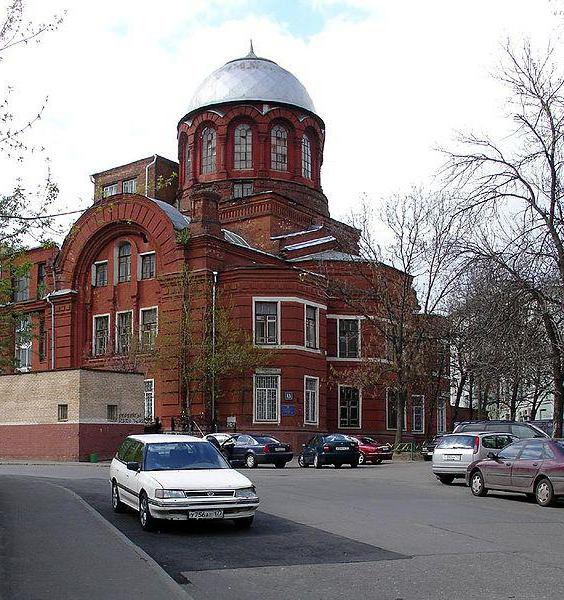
(517, 428)
(428, 447)
(252, 450)
(331, 449)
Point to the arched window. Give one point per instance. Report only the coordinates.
(243, 157)
(306, 157)
(279, 148)
(187, 162)
(124, 262)
(208, 150)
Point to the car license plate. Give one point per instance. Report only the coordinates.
(452, 456)
(280, 449)
(205, 514)
(341, 448)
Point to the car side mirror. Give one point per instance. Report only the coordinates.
(492, 456)
(133, 466)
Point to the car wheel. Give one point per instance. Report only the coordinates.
(354, 464)
(337, 465)
(250, 461)
(544, 492)
(117, 505)
(317, 462)
(361, 459)
(243, 523)
(477, 486)
(301, 462)
(145, 518)
(446, 479)
(280, 464)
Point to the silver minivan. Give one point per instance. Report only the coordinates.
(456, 451)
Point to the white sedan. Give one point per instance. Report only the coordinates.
(179, 477)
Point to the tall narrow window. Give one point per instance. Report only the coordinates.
(42, 341)
(20, 288)
(349, 406)
(311, 327)
(266, 397)
(349, 338)
(101, 334)
(441, 415)
(392, 410)
(124, 327)
(111, 412)
(187, 163)
(279, 148)
(129, 186)
(124, 262)
(148, 265)
(266, 323)
(306, 157)
(418, 416)
(208, 150)
(148, 329)
(311, 400)
(100, 273)
(62, 412)
(149, 399)
(243, 156)
(41, 279)
(23, 339)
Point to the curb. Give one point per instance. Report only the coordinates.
(62, 463)
(176, 592)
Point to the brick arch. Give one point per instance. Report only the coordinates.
(119, 215)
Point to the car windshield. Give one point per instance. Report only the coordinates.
(456, 441)
(171, 456)
(264, 439)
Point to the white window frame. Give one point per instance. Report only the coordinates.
(94, 317)
(94, 265)
(126, 181)
(141, 311)
(404, 428)
(422, 397)
(443, 402)
(278, 321)
(359, 324)
(345, 385)
(152, 396)
(122, 312)
(316, 347)
(117, 248)
(106, 188)
(279, 379)
(140, 265)
(316, 379)
(25, 346)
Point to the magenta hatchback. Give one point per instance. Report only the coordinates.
(534, 467)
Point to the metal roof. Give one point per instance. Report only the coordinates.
(251, 78)
(179, 221)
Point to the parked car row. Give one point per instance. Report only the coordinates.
(518, 458)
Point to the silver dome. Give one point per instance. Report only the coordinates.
(251, 78)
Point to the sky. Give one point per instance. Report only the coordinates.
(393, 80)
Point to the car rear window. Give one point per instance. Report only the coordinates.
(367, 440)
(338, 438)
(456, 441)
(263, 439)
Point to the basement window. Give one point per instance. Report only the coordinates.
(111, 412)
(62, 412)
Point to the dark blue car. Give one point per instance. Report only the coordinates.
(252, 450)
(329, 449)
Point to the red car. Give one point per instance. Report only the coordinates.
(372, 451)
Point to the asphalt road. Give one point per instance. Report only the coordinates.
(388, 532)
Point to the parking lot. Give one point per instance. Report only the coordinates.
(387, 531)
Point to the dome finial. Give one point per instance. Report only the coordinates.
(251, 53)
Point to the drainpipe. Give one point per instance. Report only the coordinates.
(48, 298)
(214, 296)
(147, 175)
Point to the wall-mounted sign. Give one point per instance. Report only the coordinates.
(231, 422)
(288, 396)
(288, 410)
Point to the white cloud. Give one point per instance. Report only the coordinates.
(390, 87)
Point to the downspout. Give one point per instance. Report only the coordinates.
(214, 296)
(48, 298)
(147, 176)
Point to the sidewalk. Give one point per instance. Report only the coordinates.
(54, 545)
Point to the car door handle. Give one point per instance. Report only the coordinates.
(535, 464)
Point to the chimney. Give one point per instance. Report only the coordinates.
(204, 213)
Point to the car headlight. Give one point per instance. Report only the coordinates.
(246, 493)
(169, 494)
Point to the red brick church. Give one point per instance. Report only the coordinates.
(239, 222)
